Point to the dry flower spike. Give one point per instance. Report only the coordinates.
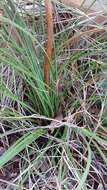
(49, 19)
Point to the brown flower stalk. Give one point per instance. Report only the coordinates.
(49, 19)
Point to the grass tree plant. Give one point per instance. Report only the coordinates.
(52, 96)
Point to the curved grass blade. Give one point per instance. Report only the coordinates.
(104, 157)
(86, 172)
(19, 145)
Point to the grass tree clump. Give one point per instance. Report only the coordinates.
(53, 97)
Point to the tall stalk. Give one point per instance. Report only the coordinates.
(49, 19)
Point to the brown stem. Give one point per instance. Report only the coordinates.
(49, 19)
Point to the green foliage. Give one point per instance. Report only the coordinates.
(19, 145)
(22, 57)
(27, 109)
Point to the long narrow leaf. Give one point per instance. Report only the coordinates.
(86, 172)
(19, 145)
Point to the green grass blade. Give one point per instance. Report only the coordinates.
(86, 172)
(19, 145)
(101, 153)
